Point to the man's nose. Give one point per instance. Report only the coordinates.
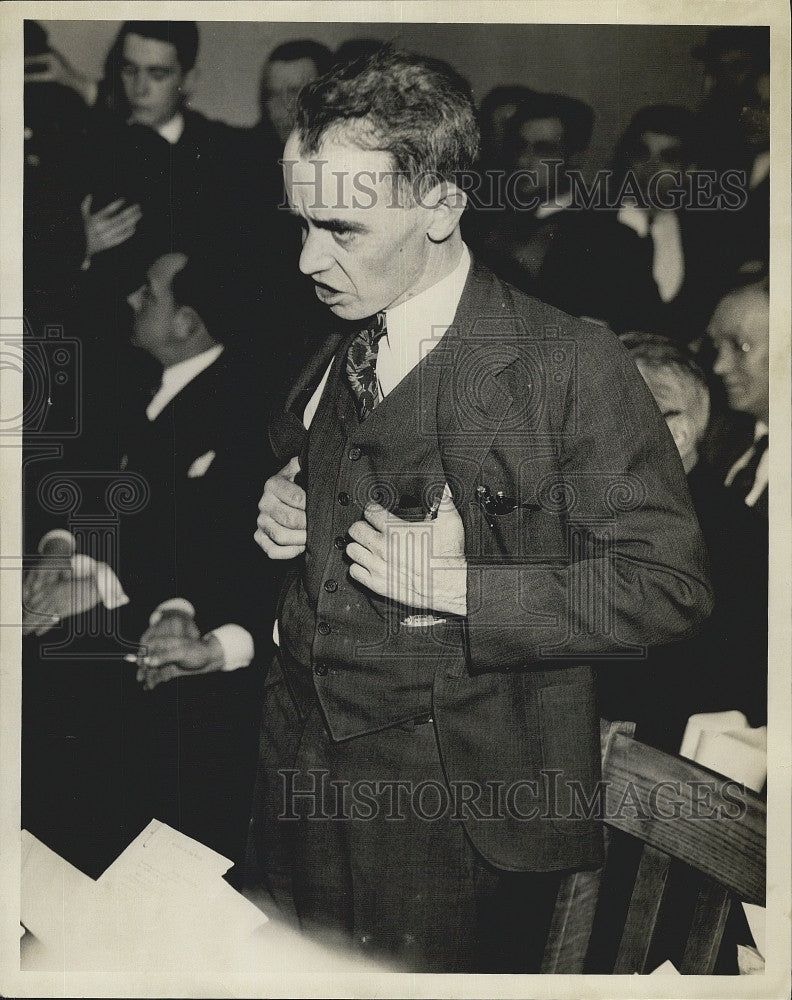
(315, 256)
(134, 299)
(723, 360)
(139, 86)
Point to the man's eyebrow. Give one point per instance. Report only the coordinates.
(331, 225)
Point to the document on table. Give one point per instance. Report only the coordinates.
(162, 903)
(176, 874)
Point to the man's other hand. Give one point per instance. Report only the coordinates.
(167, 656)
(52, 67)
(108, 227)
(51, 592)
(419, 564)
(281, 524)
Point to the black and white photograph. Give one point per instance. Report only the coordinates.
(395, 564)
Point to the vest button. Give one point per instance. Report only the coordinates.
(331, 586)
(354, 454)
(323, 628)
(340, 542)
(343, 499)
(320, 669)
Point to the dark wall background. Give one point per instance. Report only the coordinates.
(616, 68)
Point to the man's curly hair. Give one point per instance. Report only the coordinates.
(417, 109)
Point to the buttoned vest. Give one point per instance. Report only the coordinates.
(371, 666)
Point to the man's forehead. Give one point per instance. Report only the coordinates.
(337, 177)
(282, 71)
(547, 129)
(150, 51)
(744, 313)
(336, 154)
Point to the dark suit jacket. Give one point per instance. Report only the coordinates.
(199, 192)
(198, 735)
(601, 268)
(724, 667)
(194, 539)
(607, 554)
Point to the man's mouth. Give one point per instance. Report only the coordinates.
(326, 291)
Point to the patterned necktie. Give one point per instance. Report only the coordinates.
(743, 481)
(361, 365)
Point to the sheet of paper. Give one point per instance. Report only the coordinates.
(757, 922)
(718, 722)
(144, 914)
(160, 857)
(172, 875)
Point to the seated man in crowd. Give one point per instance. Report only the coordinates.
(287, 69)
(199, 592)
(725, 666)
(546, 135)
(156, 173)
(649, 263)
(740, 333)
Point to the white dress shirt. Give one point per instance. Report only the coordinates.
(414, 328)
(668, 262)
(172, 130)
(176, 377)
(762, 472)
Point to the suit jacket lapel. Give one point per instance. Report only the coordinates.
(473, 399)
(286, 429)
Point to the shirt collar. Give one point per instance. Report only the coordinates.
(557, 204)
(634, 217)
(415, 327)
(176, 377)
(431, 309)
(760, 430)
(172, 130)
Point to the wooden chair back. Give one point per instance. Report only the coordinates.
(680, 812)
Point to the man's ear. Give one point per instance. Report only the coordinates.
(186, 322)
(188, 83)
(446, 203)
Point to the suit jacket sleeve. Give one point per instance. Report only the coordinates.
(626, 565)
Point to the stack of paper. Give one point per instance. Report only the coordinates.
(163, 901)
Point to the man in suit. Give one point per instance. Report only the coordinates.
(653, 262)
(484, 500)
(735, 127)
(740, 334)
(199, 594)
(724, 667)
(546, 135)
(159, 171)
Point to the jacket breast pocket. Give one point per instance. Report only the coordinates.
(569, 733)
